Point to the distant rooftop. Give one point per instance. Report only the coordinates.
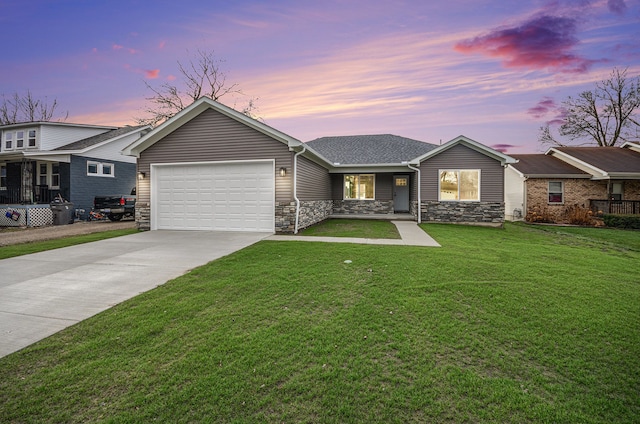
(541, 164)
(97, 139)
(370, 149)
(608, 159)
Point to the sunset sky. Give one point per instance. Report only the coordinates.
(494, 71)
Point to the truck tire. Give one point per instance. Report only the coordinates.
(114, 217)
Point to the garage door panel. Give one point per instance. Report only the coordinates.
(215, 196)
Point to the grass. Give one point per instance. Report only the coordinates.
(363, 228)
(40, 246)
(519, 325)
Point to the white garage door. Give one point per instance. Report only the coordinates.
(236, 196)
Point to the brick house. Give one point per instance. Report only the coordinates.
(602, 179)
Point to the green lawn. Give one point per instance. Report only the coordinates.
(519, 325)
(35, 247)
(363, 228)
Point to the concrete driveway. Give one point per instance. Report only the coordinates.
(43, 293)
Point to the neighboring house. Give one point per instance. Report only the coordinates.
(213, 168)
(603, 179)
(41, 160)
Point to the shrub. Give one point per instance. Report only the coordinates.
(631, 222)
(538, 214)
(579, 215)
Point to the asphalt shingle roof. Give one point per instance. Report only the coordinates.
(608, 159)
(97, 139)
(370, 149)
(541, 164)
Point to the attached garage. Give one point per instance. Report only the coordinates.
(214, 196)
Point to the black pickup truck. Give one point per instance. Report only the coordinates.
(116, 206)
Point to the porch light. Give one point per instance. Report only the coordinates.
(141, 175)
(283, 172)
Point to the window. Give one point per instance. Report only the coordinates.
(49, 174)
(556, 194)
(616, 191)
(100, 169)
(8, 140)
(16, 139)
(42, 174)
(460, 185)
(19, 139)
(3, 177)
(359, 186)
(32, 138)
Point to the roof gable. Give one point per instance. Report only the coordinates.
(379, 149)
(195, 109)
(467, 142)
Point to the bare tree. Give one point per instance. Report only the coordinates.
(605, 116)
(26, 108)
(201, 77)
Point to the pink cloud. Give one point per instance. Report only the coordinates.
(162, 44)
(151, 73)
(544, 106)
(502, 147)
(547, 106)
(117, 47)
(542, 42)
(171, 78)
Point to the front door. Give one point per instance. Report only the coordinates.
(401, 193)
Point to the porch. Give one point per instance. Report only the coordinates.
(26, 196)
(615, 207)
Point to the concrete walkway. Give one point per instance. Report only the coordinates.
(410, 233)
(43, 293)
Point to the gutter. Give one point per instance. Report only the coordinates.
(419, 196)
(295, 186)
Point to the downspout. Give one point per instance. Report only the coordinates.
(295, 186)
(419, 197)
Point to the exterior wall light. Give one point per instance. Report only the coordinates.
(141, 175)
(283, 172)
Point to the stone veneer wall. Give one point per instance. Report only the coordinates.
(363, 207)
(311, 212)
(463, 212)
(143, 216)
(413, 208)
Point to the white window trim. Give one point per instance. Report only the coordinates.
(35, 139)
(479, 171)
(48, 175)
(100, 168)
(344, 179)
(25, 139)
(20, 138)
(4, 141)
(549, 192)
(3, 166)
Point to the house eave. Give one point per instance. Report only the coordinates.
(369, 168)
(560, 176)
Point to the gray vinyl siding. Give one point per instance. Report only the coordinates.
(384, 186)
(462, 157)
(212, 136)
(313, 181)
